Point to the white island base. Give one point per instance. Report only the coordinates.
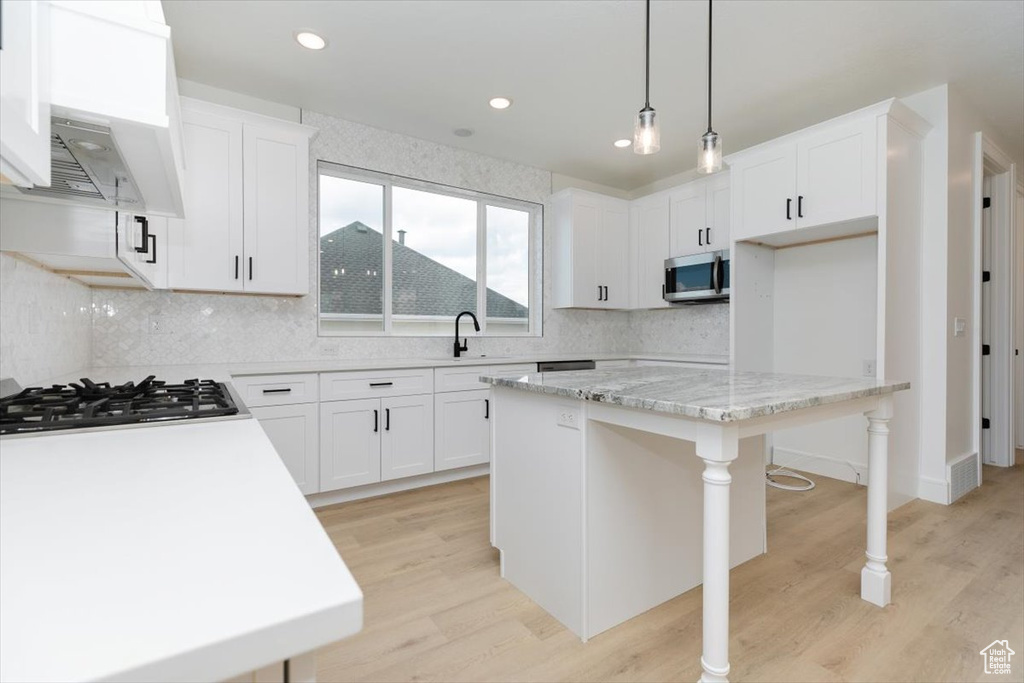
(596, 506)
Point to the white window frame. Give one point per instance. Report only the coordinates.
(483, 200)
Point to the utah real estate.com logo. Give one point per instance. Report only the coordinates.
(997, 657)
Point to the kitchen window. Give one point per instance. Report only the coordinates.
(403, 257)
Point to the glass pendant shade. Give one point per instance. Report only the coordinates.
(709, 160)
(646, 137)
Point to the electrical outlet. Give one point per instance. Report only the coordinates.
(569, 417)
(959, 327)
(869, 367)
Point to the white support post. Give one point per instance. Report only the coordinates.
(875, 579)
(717, 454)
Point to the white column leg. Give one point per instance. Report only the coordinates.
(875, 579)
(715, 658)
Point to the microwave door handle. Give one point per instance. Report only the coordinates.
(715, 281)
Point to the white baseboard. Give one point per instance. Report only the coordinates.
(933, 490)
(823, 465)
(317, 500)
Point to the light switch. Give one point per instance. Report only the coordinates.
(959, 327)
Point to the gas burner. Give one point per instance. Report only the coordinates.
(92, 404)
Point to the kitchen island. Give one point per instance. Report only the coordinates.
(178, 552)
(596, 507)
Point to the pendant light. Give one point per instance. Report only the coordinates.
(709, 159)
(646, 138)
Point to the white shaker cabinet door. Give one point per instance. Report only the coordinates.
(586, 227)
(837, 173)
(25, 100)
(350, 443)
(462, 431)
(407, 436)
(276, 189)
(613, 255)
(763, 191)
(293, 431)
(653, 247)
(206, 246)
(718, 197)
(689, 219)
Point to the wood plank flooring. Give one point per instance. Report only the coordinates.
(436, 609)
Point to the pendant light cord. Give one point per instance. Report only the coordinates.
(709, 65)
(647, 57)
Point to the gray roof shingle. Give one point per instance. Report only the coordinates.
(352, 271)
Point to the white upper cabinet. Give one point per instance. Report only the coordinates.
(25, 92)
(700, 216)
(246, 226)
(650, 234)
(823, 175)
(719, 208)
(764, 191)
(591, 244)
(836, 171)
(206, 247)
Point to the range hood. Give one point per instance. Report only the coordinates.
(116, 137)
(86, 167)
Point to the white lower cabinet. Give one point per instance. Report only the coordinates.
(372, 440)
(462, 434)
(293, 431)
(407, 442)
(349, 443)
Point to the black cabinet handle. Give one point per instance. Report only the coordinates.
(236, 267)
(800, 206)
(700, 238)
(707, 236)
(606, 292)
(145, 234)
(381, 384)
(599, 293)
(250, 268)
(789, 208)
(286, 390)
(152, 241)
(487, 409)
(376, 420)
(387, 419)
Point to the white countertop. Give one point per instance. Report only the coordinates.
(223, 372)
(175, 553)
(713, 394)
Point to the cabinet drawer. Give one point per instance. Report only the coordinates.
(513, 369)
(460, 379)
(339, 386)
(276, 390)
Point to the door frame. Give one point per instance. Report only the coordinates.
(988, 158)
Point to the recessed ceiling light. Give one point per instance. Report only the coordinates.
(463, 132)
(501, 102)
(622, 143)
(310, 40)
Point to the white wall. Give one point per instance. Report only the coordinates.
(1019, 315)
(45, 323)
(825, 320)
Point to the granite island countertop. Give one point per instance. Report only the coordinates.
(716, 395)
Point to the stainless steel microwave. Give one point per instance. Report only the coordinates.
(698, 279)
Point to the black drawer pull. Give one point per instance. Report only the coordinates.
(387, 419)
(277, 391)
(376, 422)
(487, 409)
(381, 384)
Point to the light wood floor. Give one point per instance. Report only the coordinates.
(436, 609)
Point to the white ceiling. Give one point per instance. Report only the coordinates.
(574, 68)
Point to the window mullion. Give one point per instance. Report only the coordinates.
(481, 265)
(388, 260)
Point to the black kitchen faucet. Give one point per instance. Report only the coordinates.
(459, 348)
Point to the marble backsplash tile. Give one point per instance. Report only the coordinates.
(681, 329)
(45, 323)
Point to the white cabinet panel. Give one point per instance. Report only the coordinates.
(591, 247)
(653, 246)
(407, 439)
(764, 191)
(276, 390)
(25, 102)
(336, 386)
(689, 219)
(462, 434)
(349, 443)
(206, 247)
(276, 188)
(612, 264)
(459, 379)
(586, 222)
(836, 173)
(293, 431)
(718, 213)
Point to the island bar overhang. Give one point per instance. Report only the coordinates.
(541, 498)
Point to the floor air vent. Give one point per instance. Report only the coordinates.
(963, 476)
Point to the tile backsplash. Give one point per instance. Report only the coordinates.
(45, 323)
(52, 325)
